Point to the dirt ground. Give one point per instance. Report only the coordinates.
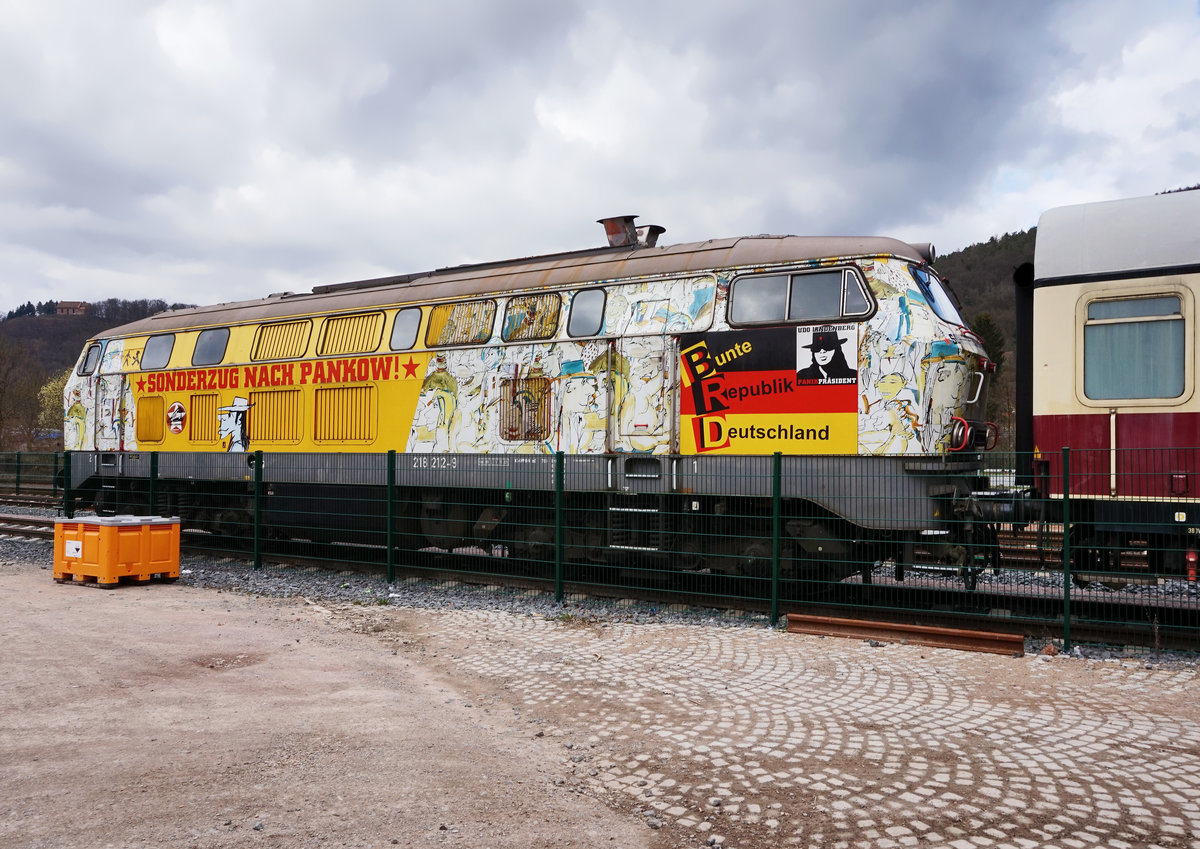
(173, 716)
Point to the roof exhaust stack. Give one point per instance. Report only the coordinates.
(620, 231)
(647, 236)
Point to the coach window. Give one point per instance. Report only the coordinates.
(90, 359)
(210, 346)
(157, 352)
(1134, 348)
(529, 317)
(404, 329)
(587, 313)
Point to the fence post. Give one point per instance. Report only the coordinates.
(68, 496)
(1066, 547)
(776, 529)
(258, 479)
(153, 483)
(54, 477)
(558, 526)
(17, 479)
(391, 516)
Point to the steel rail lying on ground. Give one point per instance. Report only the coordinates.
(925, 635)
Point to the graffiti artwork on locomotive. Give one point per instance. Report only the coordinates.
(1107, 369)
(657, 372)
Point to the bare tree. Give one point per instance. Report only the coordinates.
(20, 380)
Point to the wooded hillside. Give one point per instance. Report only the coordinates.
(35, 348)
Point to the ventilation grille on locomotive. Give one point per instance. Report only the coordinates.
(283, 341)
(525, 408)
(352, 334)
(275, 415)
(346, 414)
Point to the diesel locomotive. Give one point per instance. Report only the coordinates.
(663, 376)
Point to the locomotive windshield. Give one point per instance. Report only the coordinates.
(931, 287)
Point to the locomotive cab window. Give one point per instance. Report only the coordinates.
(210, 346)
(404, 329)
(157, 352)
(936, 295)
(587, 313)
(90, 359)
(1134, 348)
(825, 295)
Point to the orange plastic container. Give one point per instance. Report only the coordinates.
(105, 549)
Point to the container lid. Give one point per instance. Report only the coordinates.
(122, 520)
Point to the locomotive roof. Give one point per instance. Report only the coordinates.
(565, 269)
(1147, 234)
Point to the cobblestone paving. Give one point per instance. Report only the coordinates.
(753, 737)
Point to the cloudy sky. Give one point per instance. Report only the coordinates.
(211, 151)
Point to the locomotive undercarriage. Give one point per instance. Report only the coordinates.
(633, 517)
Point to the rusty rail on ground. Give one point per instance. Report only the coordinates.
(893, 632)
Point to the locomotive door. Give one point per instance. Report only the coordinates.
(112, 412)
(641, 373)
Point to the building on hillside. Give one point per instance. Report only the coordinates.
(71, 308)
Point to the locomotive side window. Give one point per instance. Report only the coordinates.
(157, 352)
(816, 296)
(587, 313)
(1134, 348)
(824, 295)
(758, 299)
(210, 346)
(283, 340)
(351, 334)
(531, 317)
(404, 329)
(460, 324)
(90, 359)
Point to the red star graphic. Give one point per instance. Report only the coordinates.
(141, 384)
(410, 368)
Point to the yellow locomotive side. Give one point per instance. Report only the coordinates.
(361, 399)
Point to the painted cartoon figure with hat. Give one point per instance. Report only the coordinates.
(829, 363)
(232, 422)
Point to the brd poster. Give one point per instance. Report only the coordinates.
(793, 390)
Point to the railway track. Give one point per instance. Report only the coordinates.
(926, 596)
(33, 527)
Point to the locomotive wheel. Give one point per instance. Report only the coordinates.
(234, 525)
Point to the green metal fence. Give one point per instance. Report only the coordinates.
(30, 475)
(1096, 547)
